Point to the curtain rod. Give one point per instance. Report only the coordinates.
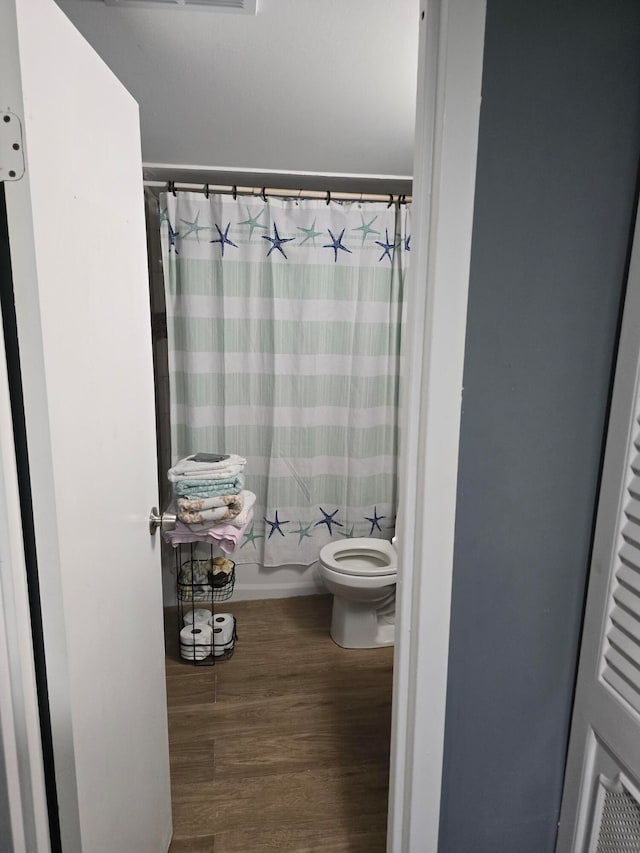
(263, 192)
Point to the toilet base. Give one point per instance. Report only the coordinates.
(355, 625)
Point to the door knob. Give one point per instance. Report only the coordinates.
(165, 521)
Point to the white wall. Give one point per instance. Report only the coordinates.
(318, 85)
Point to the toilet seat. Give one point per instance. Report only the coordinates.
(360, 557)
(364, 583)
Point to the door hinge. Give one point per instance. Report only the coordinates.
(11, 147)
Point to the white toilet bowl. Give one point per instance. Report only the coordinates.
(361, 574)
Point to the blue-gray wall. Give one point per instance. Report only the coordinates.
(557, 166)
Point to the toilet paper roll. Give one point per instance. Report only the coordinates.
(199, 614)
(196, 641)
(223, 625)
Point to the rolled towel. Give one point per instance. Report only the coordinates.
(193, 580)
(248, 501)
(188, 469)
(199, 504)
(207, 516)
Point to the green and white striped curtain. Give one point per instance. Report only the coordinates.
(284, 323)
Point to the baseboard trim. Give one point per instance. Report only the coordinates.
(254, 591)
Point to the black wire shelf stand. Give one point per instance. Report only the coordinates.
(199, 589)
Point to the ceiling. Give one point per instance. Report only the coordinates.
(305, 85)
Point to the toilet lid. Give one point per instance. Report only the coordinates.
(364, 557)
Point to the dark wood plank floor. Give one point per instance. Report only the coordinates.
(285, 747)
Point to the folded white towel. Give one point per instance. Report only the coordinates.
(187, 469)
(248, 502)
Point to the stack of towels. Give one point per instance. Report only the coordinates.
(213, 505)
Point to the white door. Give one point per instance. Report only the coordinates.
(601, 800)
(77, 240)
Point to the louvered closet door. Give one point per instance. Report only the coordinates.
(601, 799)
(621, 659)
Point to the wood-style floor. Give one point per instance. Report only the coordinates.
(284, 747)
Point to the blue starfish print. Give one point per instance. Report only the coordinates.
(387, 246)
(223, 238)
(277, 241)
(336, 245)
(329, 520)
(173, 236)
(375, 520)
(407, 247)
(347, 534)
(303, 532)
(366, 228)
(252, 221)
(250, 536)
(275, 525)
(310, 232)
(193, 227)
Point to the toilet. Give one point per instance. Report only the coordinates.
(361, 574)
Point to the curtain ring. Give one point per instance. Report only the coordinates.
(390, 200)
(206, 191)
(264, 195)
(234, 192)
(299, 194)
(172, 188)
(328, 197)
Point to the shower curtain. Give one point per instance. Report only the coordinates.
(284, 325)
